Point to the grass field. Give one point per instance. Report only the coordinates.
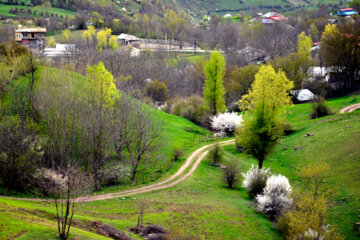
(4, 10)
(202, 205)
(335, 140)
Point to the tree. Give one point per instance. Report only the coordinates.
(355, 4)
(263, 121)
(63, 187)
(89, 35)
(176, 24)
(340, 50)
(304, 44)
(214, 90)
(102, 95)
(307, 219)
(66, 34)
(157, 91)
(232, 173)
(113, 43)
(103, 39)
(140, 133)
(51, 42)
(20, 152)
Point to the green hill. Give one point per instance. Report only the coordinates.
(335, 141)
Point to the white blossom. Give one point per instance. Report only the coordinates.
(276, 196)
(255, 179)
(226, 122)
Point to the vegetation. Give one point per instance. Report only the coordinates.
(266, 102)
(214, 90)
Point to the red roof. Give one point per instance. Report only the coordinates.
(346, 9)
(277, 17)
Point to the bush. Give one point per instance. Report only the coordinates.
(276, 197)
(216, 154)
(114, 173)
(307, 220)
(191, 108)
(320, 109)
(255, 180)
(177, 153)
(232, 174)
(226, 122)
(157, 91)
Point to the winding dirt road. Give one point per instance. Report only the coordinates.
(350, 108)
(186, 170)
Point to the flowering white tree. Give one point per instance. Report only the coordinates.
(255, 180)
(276, 197)
(226, 122)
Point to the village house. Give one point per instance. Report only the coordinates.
(32, 38)
(346, 12)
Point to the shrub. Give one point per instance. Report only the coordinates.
(320, 109)
(216, 154)
(226, 122)
(114, 173)
(255, 180)
(307, 220)
(177, 153)
(232, 174)
(276, 197)
(191, 108)
(157, 91)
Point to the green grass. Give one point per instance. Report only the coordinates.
(335, 140)
(74, 36)
(4, 10)
(201, 205)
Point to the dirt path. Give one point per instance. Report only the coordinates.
(186, 170)
(350, 108)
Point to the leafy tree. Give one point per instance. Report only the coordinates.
(239, 81)
(113, 44)
(214, 90)
(51, 42)
(89, 35)
(340, 50)
(265, 102)
(102, 95)
(103, 39)
(66, 34)
(307, 219)
(355, 4)
(304, 44)
(157, 91)
(20, 152)
(176, 24)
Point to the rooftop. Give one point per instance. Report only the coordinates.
(25, 29)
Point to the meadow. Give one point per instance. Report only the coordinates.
(4, 10)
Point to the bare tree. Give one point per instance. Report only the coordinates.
(63, 186)
(141, 133)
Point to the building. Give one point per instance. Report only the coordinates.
(346, 12)
(60, 50)
(32, 38)
(269, 17)
(127, 39)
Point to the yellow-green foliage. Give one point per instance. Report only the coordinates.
(89, 34)
(304, 44)
(214, 91)
(66, 34)
(51, 42)
(157, 91)
(266, 103)
(113, 43)
(307, 218)
(103, 38)
(101, 85)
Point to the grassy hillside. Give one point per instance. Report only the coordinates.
(4, 11)
(335, 140)
(224, 6)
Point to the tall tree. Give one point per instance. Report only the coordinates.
(263, 121)
(66, 34)
(102, 95)
(214, 91)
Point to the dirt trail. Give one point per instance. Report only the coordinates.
(190, 164)
(350, 108)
